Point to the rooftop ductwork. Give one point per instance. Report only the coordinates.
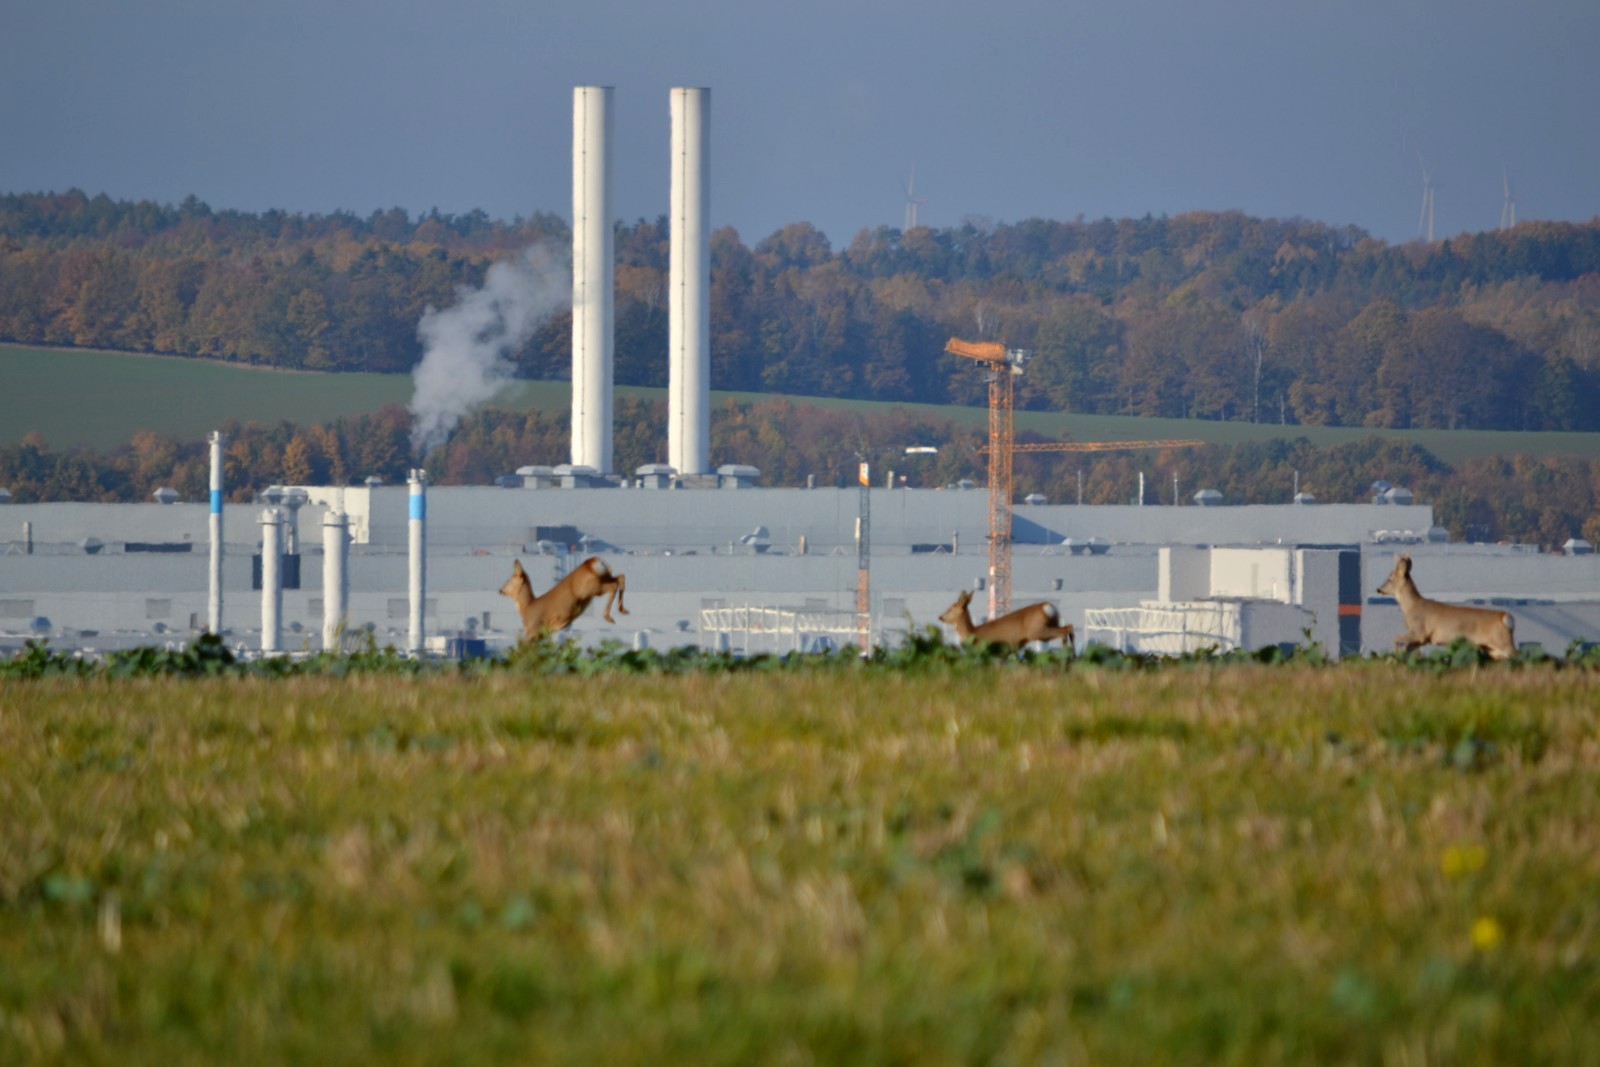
(1398, 495)
(577, 476)
(656, 475)
(737, 476)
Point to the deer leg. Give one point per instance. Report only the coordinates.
(1063, 633)
(1408, 642)
(614, 588)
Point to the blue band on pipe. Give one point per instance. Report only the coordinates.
(216, 501)
(419, 506)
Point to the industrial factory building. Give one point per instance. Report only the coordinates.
(734, 565)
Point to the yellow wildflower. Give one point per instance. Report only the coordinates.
(1462, 859)
(1486, 933)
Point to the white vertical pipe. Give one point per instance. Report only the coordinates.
(689, 285)
(418, 481)
(335, 578)
(214, 600)
(271, 578)
(593, 252)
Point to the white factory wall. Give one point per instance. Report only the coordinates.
(682, 550)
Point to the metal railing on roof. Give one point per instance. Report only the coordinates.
(796, 627)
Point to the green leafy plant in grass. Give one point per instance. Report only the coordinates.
(923, 651)
(36, 660)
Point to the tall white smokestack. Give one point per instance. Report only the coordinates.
(689, 285)
(593, 256)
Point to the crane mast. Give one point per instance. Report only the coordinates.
(1003, 366)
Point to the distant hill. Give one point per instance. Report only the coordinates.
(105, 426)
(1217, 316)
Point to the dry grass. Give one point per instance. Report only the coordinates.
(1240, 864)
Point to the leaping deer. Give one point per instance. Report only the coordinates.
(563, 602)
(1036, 622)
(1429, 622)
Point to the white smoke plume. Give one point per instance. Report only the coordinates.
(466, 348)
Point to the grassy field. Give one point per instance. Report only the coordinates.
(1242, 864)
(100, 399)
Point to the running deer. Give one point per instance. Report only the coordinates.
(1429, 622)
(1036, 622)
(561, 605)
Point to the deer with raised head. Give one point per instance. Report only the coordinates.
(1430, 622)
(563, 602)
(1036, 622)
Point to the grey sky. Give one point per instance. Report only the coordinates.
(1010, 108)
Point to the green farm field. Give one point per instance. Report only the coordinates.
(1368, 863)
(101, 399)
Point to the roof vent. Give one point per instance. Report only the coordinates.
(1035, 499)
(1577, 546)
(1398, 495)
(5, 496)
(576, 475)
(1208, 498)
(656, 475)
(1304, 498)
(165, 495)
(736, 476)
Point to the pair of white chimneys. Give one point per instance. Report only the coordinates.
(688, 281)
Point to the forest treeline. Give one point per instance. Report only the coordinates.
(1201, 315)
(1541, 501)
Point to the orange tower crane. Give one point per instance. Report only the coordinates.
(1004, 367)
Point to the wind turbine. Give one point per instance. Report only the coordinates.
(912, 201)
(1508, 210)
(1426, 215)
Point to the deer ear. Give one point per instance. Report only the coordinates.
(1405, 563)
(516, 566)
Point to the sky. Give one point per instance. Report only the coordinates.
(821, 109)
